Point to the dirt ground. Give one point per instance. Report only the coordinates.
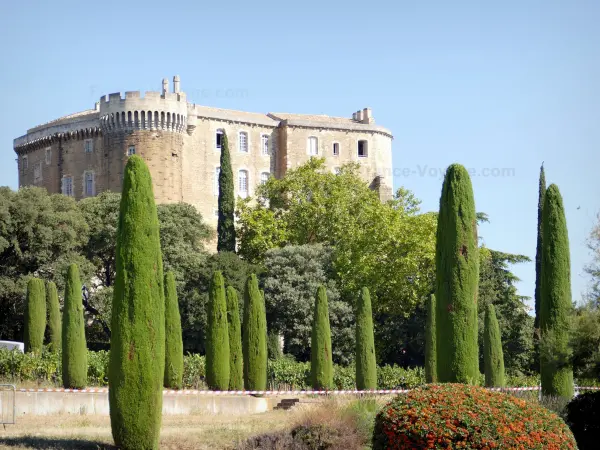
(199, 431)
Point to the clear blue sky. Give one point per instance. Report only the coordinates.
(490, 85)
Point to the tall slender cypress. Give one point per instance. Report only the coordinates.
(54, 322)
(137, 345)
(217, 339)
(321, 364)
(226, 202)
(457, 275)
(556, 369)
(74, 348)
(173, 337)
(430, 335)
(35, 316)
(493, 358)
(254, 337)
(366, 365)
(236, 368)
(538, 255)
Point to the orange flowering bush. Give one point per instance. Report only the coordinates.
(451, 416)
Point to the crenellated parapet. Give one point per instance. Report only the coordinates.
(153, 111)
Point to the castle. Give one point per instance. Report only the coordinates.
(85, 153)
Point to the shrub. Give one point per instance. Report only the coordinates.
(173, 338)
(54, 322)
(492, 350)
(459, 416)
(583, 416)
(35, 316)
(74, 349)
(321, 364)
(137, 356)
(217, 338)
(366, 365)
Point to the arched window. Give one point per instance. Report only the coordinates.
(243, 142)
(313, 146)
(243, 183)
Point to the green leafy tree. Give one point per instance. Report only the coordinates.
(74, 348)
(492, 350)
(273, 346)
(54, 322)
(585, 341)
(137, 356)
(35, 316)
(173, 340)
(292, 276)
(254, 337)
(217, 345)
(430, 342)
(457, 268)
(366, 364)
(236, 367)
(555, 306)
(226, 224)
(538, 260)
(321, 364)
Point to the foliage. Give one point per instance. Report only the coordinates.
(585, 340)
(236, 363)
(555, 307)
(311, 205)
(137, 357)
(593, 269)
(54, 321)
(273, 346)
(226, 201)
(40, 235)
(321, 364)
(459, 416)
(457, 275)
(254, 337)
(74, 348)
(293, 274)
(366, 363)
(538, 260)
(492, 350)
(583, 417)
(35, 316)
(430, 342)
(217, 343)
(173, 342)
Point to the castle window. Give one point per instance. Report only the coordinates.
(131, 150)
(88, 146)
(25, 162)
(48, 155)
(219, 139)
(313, 146)
(336, 170)
(89, 184)
(67, 186)
(216, 212)
(37, 172)
(336, 149)
(264, 177)
(243, 142)
(264, 144)
(216, 185)
(363, 150)
(243, 183)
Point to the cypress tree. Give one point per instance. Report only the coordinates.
(54, 322)
(555, 300)
(493, 359)
(137, 345)
(430, 332)
(217, 338)
(226, 202)
(538, 262)
(173, 338)
(254, 337)
(321, 364)
(74, 348)
(457, 274)
(35, 316)
(236, 369)
(366, 365)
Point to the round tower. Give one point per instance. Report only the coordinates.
(154, 127)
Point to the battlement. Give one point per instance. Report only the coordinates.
(152, 111)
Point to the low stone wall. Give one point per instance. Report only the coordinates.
(84, 403)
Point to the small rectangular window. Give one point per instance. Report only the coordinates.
(131, 150)
(219, 139)
(243, 141)
(243, 182)
(25, 163)
(336, 149)
(336, 170)
(362, 149)
(88, 145)
(216, 185)
(67, 186)
(37, 172)
(264, 144)
(264, 177)
(89, 184)
(313, 146)
(48, 156)
(216, 212)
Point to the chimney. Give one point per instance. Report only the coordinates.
(359, 116)
(367, 116)
(165, 88)
(176, 84)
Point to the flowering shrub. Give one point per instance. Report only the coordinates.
(453, 416)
